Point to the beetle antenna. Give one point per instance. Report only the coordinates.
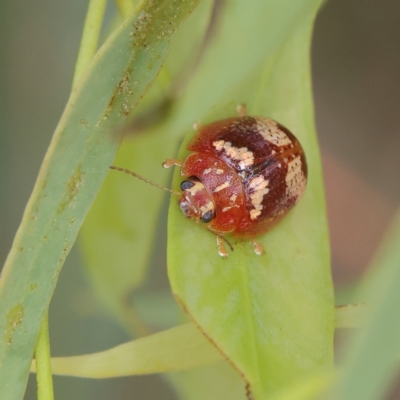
(127, 171)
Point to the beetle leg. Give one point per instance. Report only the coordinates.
(221, 247)
(171, 162)
(258, 248)
(241, 110)
(197, 126)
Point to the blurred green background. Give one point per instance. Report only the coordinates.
(356, 64)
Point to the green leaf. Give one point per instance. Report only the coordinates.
(350, 315)
(212, 382)
(371, 358)
(271, 316)
(74, 167)
(117, 236)
(307, 388)
(176, 349)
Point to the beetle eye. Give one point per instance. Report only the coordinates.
(187, 185)
(184, 207)
(207, 217)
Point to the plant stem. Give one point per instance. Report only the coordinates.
(125, 7)
(90, 36)
(43, 363)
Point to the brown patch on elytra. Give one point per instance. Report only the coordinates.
(249, 394)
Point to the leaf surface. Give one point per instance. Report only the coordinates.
(75, 165)
(272, 316)
(371, 358)
(179, 348)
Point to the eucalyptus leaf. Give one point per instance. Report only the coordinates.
(307, 388)
(74, 167)
(116, 236)
(212, 382)
(176, 349)
(350, 315)
(271, 316)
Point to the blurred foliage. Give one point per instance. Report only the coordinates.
(71, 174)
(272, 317)
(371, 358)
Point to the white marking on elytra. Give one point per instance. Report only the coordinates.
(225, 209)
(242, 154)
(222, 187)
(216, 171)
(232, 203)
(254, 214)
(259, 185)
(270, 131)
(295, 179)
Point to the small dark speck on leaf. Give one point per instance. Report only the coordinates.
(84, 123)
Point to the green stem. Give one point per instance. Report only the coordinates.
(43, 363)
(125, 7)
(90, 36)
